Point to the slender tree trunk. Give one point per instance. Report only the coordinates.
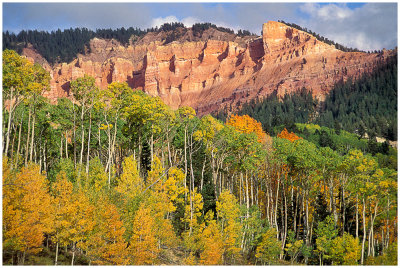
(152, 145)
(139, 154)
(387, 225)
(364, 234)
(27, 137)
(276, 207)
(344, 211)
(33, 135)
(185, 148)
(88, 147)
(55, 262)
(13, 140)
(9, 121)
(73, 255)
(61, 147)
(66, 144)
(82, 136)
(112, 149)
(247, 197)
(19, 140)
(202, 173)
(74, 133)
(357, 216)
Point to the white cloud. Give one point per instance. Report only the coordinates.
(372, 26)
(160, 20)
(328, 12)
(189, 21)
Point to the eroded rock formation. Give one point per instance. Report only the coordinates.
(209, 74)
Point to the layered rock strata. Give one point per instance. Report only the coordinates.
(211, 74)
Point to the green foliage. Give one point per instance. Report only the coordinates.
(345, 250)
(326, 233)
(370, 102)
(293, 247)
(269, 248)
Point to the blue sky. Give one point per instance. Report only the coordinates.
(367, 26)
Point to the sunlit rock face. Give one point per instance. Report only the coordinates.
(209, 74)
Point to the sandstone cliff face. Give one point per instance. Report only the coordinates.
(209, 74)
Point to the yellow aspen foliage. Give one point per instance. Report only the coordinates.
(228, 213)
(190, 260)
(83, 221)
(186, 112)
(246, 124)
(197, 202)
(212, 244)
(97, 179)
(64, 209)
(160, 209)
(154, 175)
(26, 209)
(165, 192)
(129, 183)
(106, 246)
(143, 244)
(209, 127)
(174, 186)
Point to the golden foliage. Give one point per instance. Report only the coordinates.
(26, 208)
(143, 244)
(246, 124)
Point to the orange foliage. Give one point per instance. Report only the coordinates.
(288, 135)
(246, 124)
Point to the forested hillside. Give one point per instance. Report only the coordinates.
(64, 45)
(118, 178)
(367, 105)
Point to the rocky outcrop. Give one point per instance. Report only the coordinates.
(210, 74)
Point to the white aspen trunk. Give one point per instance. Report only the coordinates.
(19, 140)
(152, 145)
(73, 255)
(202, 174)
(61, 147)
(240, 188)
(55, 262)
(344, 210)
(27, 137)
(357, 216)
(169, 149)
(276, 208)
(247, 197)
(32, 137)
(268, 201)
(9, 121)
(88, 147)
(82, 136)
(251, 190)
(74, 134)
(14, 127)
(66, 144)
(364, 234)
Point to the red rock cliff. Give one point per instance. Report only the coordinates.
(210, 74)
